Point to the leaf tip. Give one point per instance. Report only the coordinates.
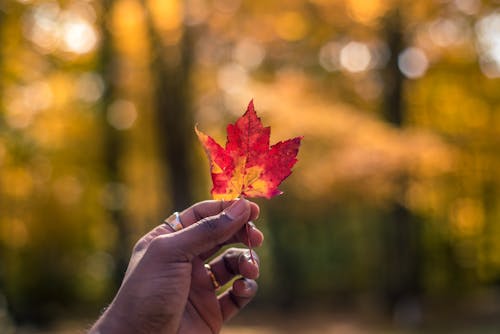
(251, 106)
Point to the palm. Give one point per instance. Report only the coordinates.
(202, 313)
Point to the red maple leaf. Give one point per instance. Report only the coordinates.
(247, 166)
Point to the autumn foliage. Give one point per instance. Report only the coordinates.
(247, 166)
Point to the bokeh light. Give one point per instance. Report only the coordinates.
(121, 114)
(413, 62)
(446, 32)
(78, 36)
(355, 57)
(89, 87)
(469, 7)
(249, 53)
(41, 25)
(232, 78)
(329, 56)
(487, 30)
(23, 103)
(52, 28)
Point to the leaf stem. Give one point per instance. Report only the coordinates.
(247, 226)
(249, 243)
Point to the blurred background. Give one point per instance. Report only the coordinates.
(390, 221)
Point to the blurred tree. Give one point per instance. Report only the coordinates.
(401, 233)
(113, 150)
(171, 70)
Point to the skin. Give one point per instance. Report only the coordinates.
(167, 289)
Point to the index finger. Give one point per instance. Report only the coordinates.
(206, 233)
(191, 215)
(210, 208)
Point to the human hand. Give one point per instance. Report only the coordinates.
(167, 288)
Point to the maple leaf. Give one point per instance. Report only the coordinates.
(247, 166)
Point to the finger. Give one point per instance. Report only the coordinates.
(234, 262)
(199, 211)
(234, 299)
(206, 209)
(207, 233)
(190, 216)
(144, 242)
(255, 240)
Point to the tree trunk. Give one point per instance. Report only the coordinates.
(113, 147)
(171, 71)
(401, 231)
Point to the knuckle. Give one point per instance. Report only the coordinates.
(224, 218)
(221, 206)
(165, 247)
(157, 245)
(209, 224)
(212, 224)
(197, 214)
(140, 245)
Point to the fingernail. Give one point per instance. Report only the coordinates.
(251, 224)
(247, 288)
(235, 210)
(248, 257)
(253, 260)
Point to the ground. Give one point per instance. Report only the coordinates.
(322, 322)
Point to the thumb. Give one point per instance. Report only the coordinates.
(209, 232)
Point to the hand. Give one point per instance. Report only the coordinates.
(167, 289)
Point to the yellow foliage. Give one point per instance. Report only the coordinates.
(128, 26)
(291, 26)
(345, 150)
(167, 14)
(17, 182)
(14, 233)
(367, 11)
(467, 217)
